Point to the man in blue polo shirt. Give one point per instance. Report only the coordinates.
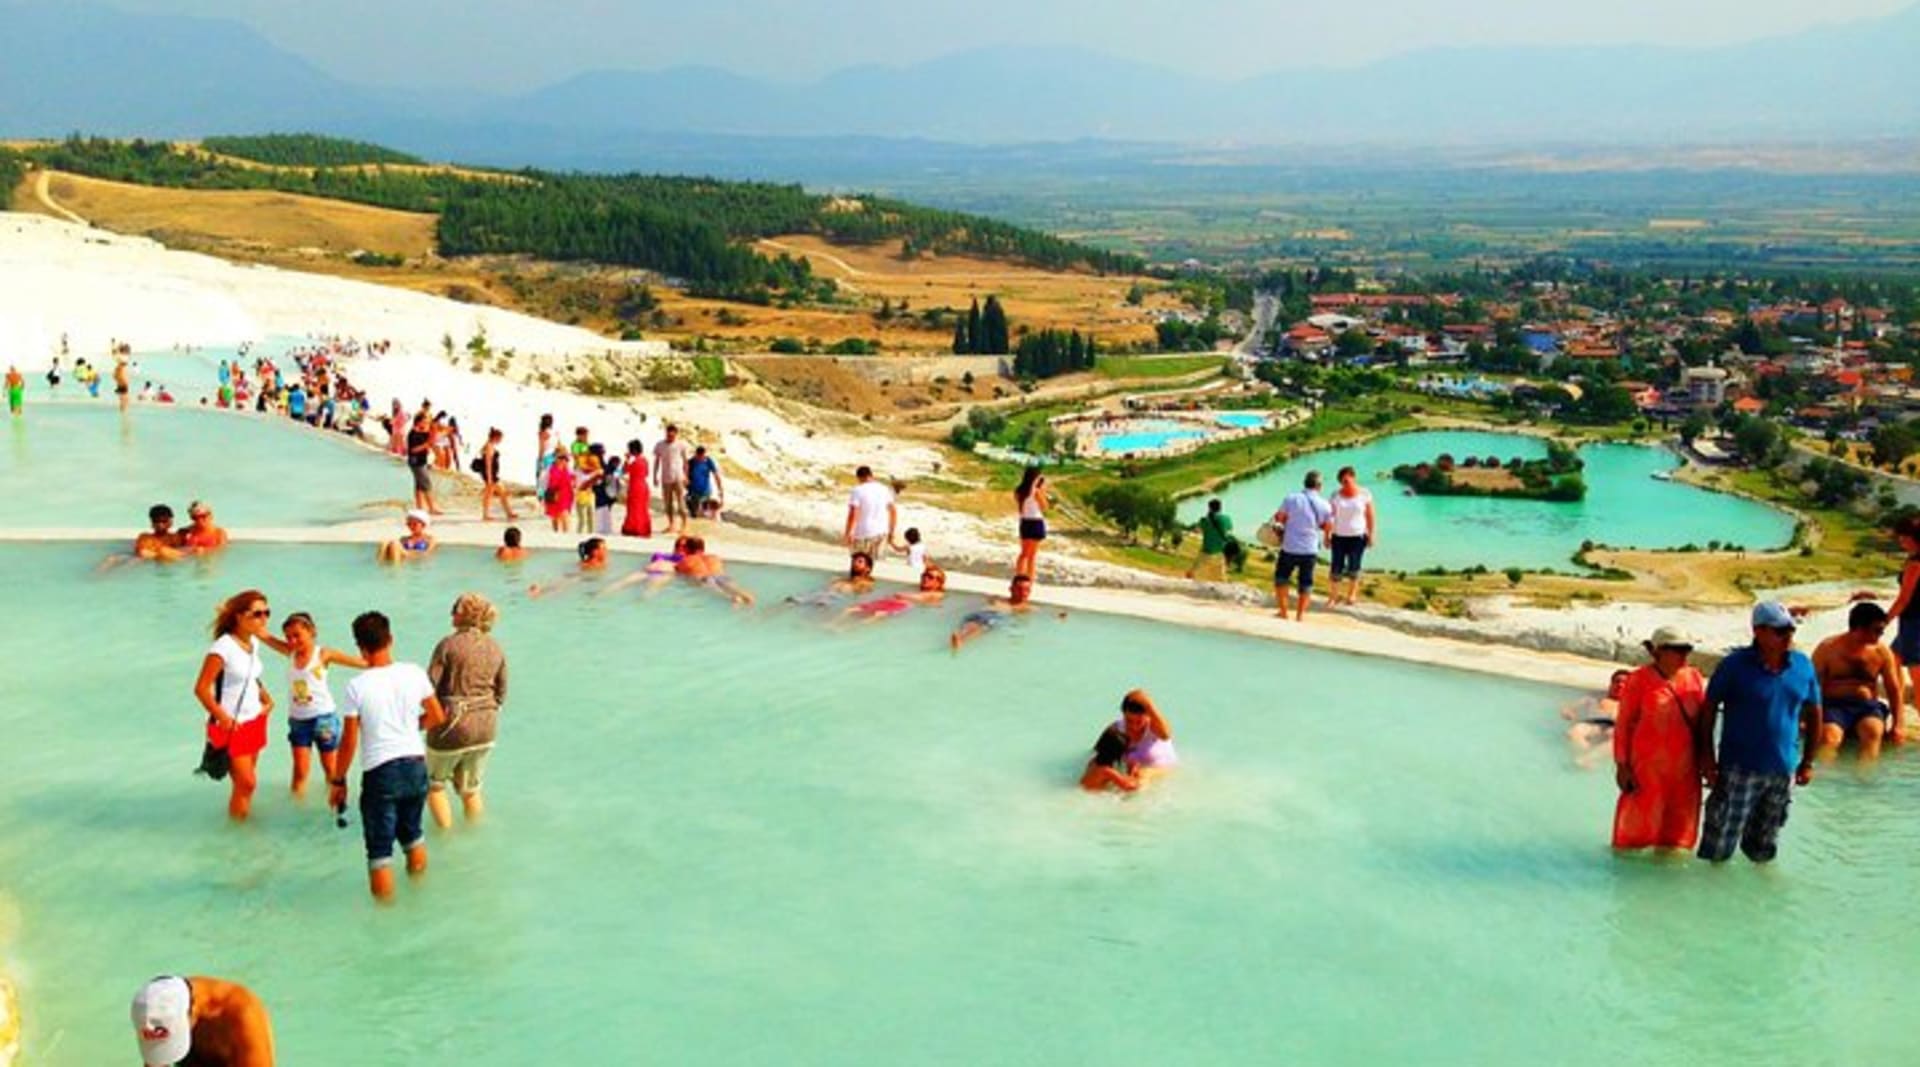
(1770, 697)
(1305, 521)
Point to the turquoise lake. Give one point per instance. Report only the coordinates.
(1625, 506)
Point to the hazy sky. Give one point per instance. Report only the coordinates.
(517, 44)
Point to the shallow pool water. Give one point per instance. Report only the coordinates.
(1625, 505)
(1241, 420)
(86, 464)
(731, 837)
(1147, 435)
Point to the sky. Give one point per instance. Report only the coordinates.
(512, 45)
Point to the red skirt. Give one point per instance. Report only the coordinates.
(241, 742)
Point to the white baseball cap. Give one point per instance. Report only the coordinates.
(163, 1017)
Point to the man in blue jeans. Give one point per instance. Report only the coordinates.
(1770, 697)
(1305, 521)
(386, 707)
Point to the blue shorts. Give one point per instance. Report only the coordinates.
(321, 732)
(1906, 643)
(392, 798)
(1291, 562)
(1846, 714)
(986, 620)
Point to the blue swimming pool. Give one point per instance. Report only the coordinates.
(1241, 420)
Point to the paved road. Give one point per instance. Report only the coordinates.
(1266, 308)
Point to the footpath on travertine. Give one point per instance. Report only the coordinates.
(1323, 629)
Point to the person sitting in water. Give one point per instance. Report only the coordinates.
(998, 610)
(510, 550)
(1860, 685)
(1109, 769)
(203, 1021)
(933, 589)
(1592, 720)
(1149, 738)
(707, 570)
(201, 535)
(859, 580)
(416, 544)
(660, 569)
(159, 544)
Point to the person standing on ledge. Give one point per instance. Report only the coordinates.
(1353, 530)
(419, 451)
(1305, 520)
(1030, 497)
(872, 516)
(386, 707)
(670, 475)
(201, 1022)
(1215, 527)
(16, 391)
(1770, 696)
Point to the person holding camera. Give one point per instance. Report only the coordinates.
(1031, 500)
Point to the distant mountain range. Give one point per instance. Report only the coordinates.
(67, 67)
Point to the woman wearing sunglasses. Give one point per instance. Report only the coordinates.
(232, 690)
(1654, 748)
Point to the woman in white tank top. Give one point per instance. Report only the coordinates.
(312, 720)
(1031, 497)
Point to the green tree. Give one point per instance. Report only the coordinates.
(1131, 507)
(976, 331)
(1694, 427)
(993, 319)
(1756, 440)
(1892, 444)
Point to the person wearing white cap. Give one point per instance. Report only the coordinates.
(416, 544)
(1856, 671)
(201, 1022)
(1770, 697)
(1655, 761)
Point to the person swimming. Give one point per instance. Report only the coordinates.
(1108, 769)
(997, 612)
(593, 559)
(859, 580)
(1591, 731)
(709, 571)
(933, 589)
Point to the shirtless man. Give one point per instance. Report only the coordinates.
(201, 1021)
(160, 544)
(997, 612)
(1859, 683)
(703, 568)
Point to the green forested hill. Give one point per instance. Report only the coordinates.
(694, 229)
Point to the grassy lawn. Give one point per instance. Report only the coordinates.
(1155, 366)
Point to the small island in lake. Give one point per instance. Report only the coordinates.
(1557, 477)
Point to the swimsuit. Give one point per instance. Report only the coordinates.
(985, 619)
(1151, 750)
(416, 545)
(886, 607)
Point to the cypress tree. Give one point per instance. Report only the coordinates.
(994, 321)
(975, 336)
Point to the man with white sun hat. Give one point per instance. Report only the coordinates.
(201, 1022)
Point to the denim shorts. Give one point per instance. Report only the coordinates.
(392, 799)
(321, 732)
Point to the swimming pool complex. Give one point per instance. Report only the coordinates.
(726, 837)
(1625, 505)
(1144, 434)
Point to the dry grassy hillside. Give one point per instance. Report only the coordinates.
(269, 220)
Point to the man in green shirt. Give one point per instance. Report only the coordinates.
(1215, 529)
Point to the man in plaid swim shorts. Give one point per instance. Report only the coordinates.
(1770, 698)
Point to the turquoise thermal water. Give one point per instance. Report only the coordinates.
(1625, 505)
(732, 837)
(85, 464)
(1146, 435)
(1241, 420)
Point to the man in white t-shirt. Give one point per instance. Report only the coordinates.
(872, 516)
(385, 709)
(670, 459)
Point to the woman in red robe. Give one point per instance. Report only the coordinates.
(1654, 750)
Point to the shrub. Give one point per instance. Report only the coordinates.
(1514, 574)
(787, 346)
